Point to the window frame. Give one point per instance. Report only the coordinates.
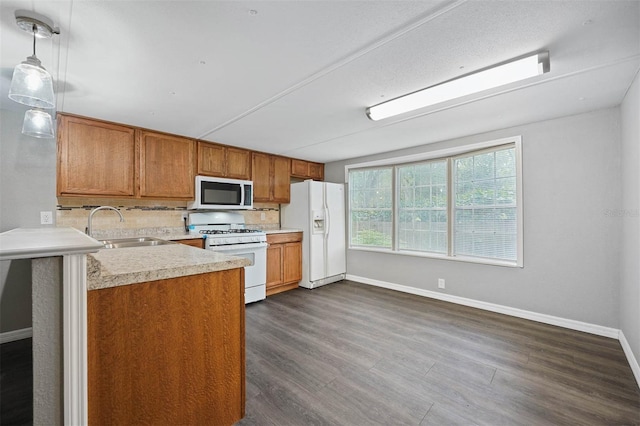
(448, 154)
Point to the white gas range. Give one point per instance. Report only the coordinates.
(225, 232)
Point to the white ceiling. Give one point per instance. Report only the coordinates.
(295, 77)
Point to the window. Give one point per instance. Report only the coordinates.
(461, 205)
(370, 206)
(422, 207)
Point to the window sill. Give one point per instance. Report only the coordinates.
(467, 259)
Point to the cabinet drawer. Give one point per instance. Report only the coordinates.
(289, 237)
(193, 242)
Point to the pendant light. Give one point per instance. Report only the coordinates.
(31, 84)
(37, 123)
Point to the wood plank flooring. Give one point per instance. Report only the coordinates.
(16, 383)
(352, 354)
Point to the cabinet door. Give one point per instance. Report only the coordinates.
(274, 265)
(95, 158)
(168, 352)
(238, 163)
(316, 171)
(211, 159)
(292, 262)
(299, 168)
(281, 179)
(261, 176)
(166, 166)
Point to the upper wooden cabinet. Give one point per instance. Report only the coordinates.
(223, 161)
(95, 158)
(270, 175)
(307, 169)
(166, 165)
(102, 159)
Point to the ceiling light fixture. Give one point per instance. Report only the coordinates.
(31, 84)
(488, 78)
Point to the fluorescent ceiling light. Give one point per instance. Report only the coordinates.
(489, 78)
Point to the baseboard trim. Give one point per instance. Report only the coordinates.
(13, 335)
(501, 309)
(633, 362)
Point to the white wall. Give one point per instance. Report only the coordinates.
(630, 216)
(27, 186)
(571, 177)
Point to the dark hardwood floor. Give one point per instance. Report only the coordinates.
(16, 383)
(352, 354)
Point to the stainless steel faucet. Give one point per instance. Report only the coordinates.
(89, 230)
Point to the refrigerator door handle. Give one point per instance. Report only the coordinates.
(327, 221)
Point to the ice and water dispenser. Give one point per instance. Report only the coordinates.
(318, 221)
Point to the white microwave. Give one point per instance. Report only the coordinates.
(213, 193)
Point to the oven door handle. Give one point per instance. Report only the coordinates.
(236, 247)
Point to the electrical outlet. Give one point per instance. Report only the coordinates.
(440, 282)
(263, 216)
(46, 218)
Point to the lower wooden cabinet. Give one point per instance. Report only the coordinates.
(168, 352)
(284, 262)
(193, 242)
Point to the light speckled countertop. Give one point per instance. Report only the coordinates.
(123, 266)
(282, 231)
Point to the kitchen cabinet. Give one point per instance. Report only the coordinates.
(166, 166)
(223, 161)
(306, 169)
(168, 352)
(271, 178)
(193, 242)
(284, 261)
(95, 158)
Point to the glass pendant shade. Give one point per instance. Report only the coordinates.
(37, 123)
(32, 84)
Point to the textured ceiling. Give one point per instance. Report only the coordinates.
(295, 77)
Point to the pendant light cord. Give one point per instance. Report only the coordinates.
(35, 29)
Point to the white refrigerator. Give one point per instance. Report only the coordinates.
(317, 208)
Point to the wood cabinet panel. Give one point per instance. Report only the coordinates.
(238, 163)
(271, 178)
(167, 166)
(275, 269)
(211, 159)
(284, 262)
(95, 158)
(223, 161)
(306, 169)
(193, 242)
(316, 171)
(261, 176)
(168, 352)
(281, 179)
(292, 262)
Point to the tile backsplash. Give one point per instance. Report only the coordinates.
(74, 212)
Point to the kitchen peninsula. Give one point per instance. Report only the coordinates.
(165, 336)
(167, 318)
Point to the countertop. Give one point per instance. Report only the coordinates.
(282, 231)
(31, 243)
(123, 266)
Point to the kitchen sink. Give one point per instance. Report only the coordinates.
(134, 242)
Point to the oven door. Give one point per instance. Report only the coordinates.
(255, 275)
